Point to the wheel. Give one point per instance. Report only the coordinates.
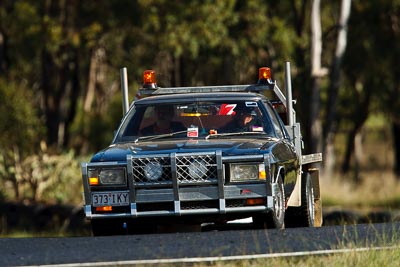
(107, 227)
(276, 217)
(303, 216)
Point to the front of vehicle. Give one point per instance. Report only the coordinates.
(192, 158)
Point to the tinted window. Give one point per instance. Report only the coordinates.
(196, 119)
(275, 121)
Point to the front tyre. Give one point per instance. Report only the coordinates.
(303, 216)
(276, 217)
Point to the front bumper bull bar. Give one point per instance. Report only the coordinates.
(178, 194)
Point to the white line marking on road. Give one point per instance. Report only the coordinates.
(222, 258)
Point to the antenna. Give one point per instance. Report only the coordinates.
(124, 89)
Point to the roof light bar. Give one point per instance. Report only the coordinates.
(264, 83)
(264, 73)
(149, 79)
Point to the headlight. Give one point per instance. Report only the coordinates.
(247, 172)
(197, 169)
(108, 176)
(153, 171)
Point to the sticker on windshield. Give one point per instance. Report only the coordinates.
(227, 109)
(257, 129)
(251, 104)
(193, 132)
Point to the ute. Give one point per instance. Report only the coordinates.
(201, 155)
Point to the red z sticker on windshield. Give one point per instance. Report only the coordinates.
(227, 109)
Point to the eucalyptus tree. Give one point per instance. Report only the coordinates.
(20, 124)
(384, 41)
(182, 37)
(330, 127)
(371, 72)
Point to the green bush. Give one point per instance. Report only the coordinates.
(28, 170)
(44, 177)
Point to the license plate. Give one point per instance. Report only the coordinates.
(110, 199)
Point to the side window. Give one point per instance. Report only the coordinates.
(275, 121)
(131, 124)
(149, 118)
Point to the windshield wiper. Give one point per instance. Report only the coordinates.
(159, 136)
(230, 134)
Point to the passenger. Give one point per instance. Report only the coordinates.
(243, 121)
(163, 122)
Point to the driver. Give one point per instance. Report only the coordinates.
(163, 122)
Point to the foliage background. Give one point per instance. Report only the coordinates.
(59, 75)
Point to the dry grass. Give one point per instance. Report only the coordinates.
(387, 257)
(376, 186)
(376, 190)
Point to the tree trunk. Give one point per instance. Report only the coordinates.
(396, 140)
(95, 61)
(59, 85)
(302, 79)
(361, 116)
(73, 98)
(353, 147)
(17, 173)
(51, 100)
(316, 129)
(349, 150)
(3, 53)
(91, 84)
(317, 72)
(331, 120)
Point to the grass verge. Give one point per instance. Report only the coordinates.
(376, 189)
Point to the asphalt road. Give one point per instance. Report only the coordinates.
(225, 243)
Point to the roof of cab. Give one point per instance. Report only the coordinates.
(199, 96)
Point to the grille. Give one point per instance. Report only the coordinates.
(139, 164)
(235, 203)
(196, 169)
(193, 205)
(190, 169)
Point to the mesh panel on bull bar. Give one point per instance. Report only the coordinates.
(191, 168)
(139, 163)
(196, 168)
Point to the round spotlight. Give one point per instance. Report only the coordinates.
(197, 169)
(153, 171)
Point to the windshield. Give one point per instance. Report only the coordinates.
(194, 120)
